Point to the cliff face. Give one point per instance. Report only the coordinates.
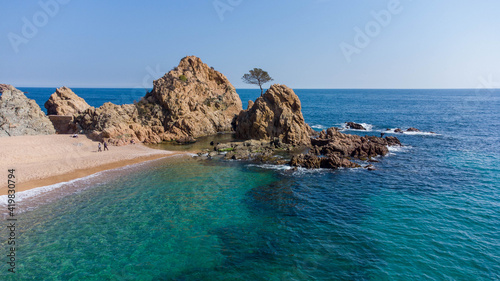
(197, 99)
(20, 115)
(276, 114)
(65, 102)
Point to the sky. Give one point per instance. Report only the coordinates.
(301, 43)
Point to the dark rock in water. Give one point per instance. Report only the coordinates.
(185, 140)
(412, 130)
(370, 167)
(355, 126)
(212, 143)
(333, 149)
(398, 130)
(330, 161)
(393, 141)
(344, 145)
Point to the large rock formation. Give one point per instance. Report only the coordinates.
(197, 99)
(65, 102)
(20, 115)
(192, 100)
(276, 114)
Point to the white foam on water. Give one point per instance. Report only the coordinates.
(81, 183)
(27, 194)
(394, 149)
(368, 127)
(272, 166)
(392, 131)
(321, 127)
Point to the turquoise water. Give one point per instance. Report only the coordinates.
(431, 211)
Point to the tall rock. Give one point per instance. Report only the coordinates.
(197, 99)
(65, 102)
(190, 101)
(20, 115)
(276, 114)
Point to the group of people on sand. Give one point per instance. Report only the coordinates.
(105, 144)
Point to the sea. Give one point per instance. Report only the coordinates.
(430, 210)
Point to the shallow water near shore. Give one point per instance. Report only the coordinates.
(429, 212)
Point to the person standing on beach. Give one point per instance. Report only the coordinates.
(106, 146)
(99, 147)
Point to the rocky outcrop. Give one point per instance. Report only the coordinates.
(276, 114)
(312, 161)
(333, 149)
(20, 115)
(197, 99)
(65, 102)
(411, 129)
(356, 126)
(190, 101)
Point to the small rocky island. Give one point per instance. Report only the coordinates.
(191, 101)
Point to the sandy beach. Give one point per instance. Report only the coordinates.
(50, 159)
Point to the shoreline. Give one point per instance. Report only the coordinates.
(51, 159)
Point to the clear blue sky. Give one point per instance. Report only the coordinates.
(424, 44)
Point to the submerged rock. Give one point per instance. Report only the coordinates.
(275, 114)
(20, 115)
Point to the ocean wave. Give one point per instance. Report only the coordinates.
(392, 131)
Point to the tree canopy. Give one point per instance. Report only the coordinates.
(257, 76)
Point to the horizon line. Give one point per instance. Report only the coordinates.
(257, 89)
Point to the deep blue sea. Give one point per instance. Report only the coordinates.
(430, 210)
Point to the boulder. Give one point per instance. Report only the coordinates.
(20, 115)
(355, 126)
(412, 130)
(197, 100)
(275, 114)
(398, 130)
(65, 102)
